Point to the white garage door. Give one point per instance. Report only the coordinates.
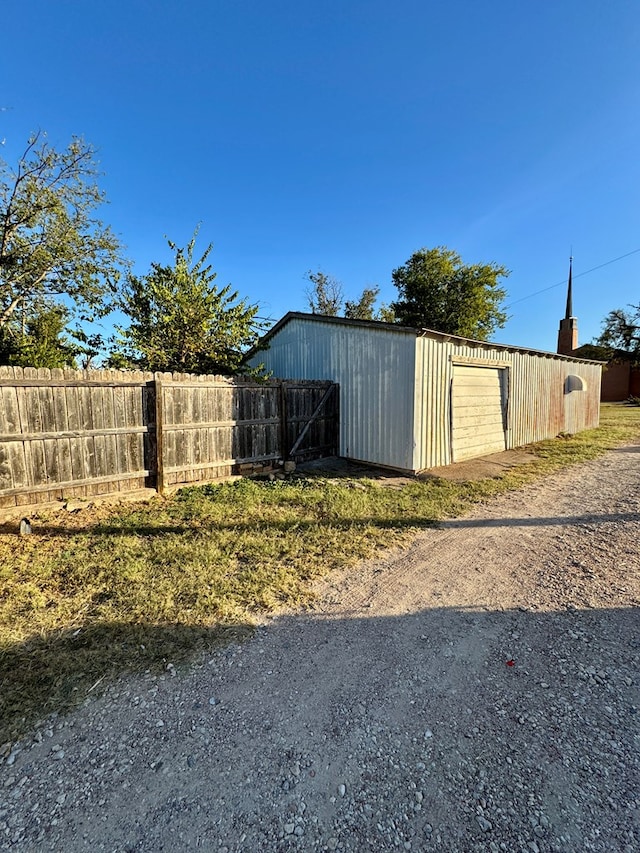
(477, 411)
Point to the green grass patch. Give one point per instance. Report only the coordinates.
(97, 593)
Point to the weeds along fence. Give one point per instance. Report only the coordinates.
(73, 433)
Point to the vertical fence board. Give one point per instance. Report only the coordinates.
(159, 421)
(110, 449)
(19, 473)
(36, 425)
(88, 447)
(130, 454)
(23, 424)
(148, 440)
(167, 455)
(65, 466)
(6, 466)
(123, 457)
(13, 470)
(99, 441)
(51, 467)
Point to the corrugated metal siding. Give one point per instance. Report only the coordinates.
(582, 407)
(376, 373)
(538, 404)
(433, 412)
(541, 405)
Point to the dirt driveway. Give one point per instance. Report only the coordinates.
(477, 691)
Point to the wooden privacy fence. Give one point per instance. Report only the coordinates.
(72, 433)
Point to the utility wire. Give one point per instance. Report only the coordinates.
(564, 281)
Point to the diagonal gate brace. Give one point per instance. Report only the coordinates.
(313, 417)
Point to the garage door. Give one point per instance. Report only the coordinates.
(478, 398)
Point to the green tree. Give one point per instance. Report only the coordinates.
(39, 339)
(437, 291)
(180, 320)
(621, 333)
(52, 246)
(364, 307)
(325, 295)
(386, 314)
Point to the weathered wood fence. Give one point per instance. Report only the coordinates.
(69, 433)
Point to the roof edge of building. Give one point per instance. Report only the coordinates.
(420, 333)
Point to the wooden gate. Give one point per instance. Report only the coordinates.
(310, 415)
(211, 429)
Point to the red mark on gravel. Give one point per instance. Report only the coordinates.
(511, 662)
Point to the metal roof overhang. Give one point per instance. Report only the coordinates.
(420, 333)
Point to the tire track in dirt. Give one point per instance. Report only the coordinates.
(485, 551)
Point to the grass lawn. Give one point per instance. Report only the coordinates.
(92, 594)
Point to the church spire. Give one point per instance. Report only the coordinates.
(569, 312)
(568, 332)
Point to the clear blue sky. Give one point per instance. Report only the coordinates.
(346, 135)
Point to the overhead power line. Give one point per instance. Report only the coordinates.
(564, 281)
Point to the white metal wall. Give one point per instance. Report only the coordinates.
(539, 402)
(376, 372)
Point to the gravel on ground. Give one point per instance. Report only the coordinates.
(475, 691)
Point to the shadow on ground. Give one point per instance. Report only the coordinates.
(527, 714)
(55, 672)
(408, 522)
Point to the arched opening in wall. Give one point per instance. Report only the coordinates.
(574, 383)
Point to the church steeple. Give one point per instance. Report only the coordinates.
(569, 312)
(568, 332)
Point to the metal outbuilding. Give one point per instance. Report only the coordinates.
(414, 399)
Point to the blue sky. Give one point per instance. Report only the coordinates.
(346, 135)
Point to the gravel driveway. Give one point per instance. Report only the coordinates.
(476, 691)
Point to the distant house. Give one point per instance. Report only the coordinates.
(413, 399)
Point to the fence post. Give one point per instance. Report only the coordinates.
(159, 436)
(284, 431)
(336, 420)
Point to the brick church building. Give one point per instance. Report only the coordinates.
(620, 378)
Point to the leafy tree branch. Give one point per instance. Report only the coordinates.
(621, 333)
(437, 291)
(52, 245)
(179, 320)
